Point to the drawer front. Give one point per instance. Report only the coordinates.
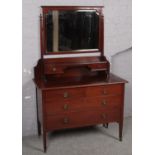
(63, 106)
(104, 90)
(52, 69)
(98, 66)
(64, 94)
(81, 104)
(84, 118)
(107, 102)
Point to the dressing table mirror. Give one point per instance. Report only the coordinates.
(72, 31)
(74, 86)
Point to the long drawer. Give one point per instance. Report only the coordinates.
(58, 107)
(85, 118)
(74, 93)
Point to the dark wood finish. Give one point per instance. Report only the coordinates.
(81, 118)
(105, 90)
(71, 106)
(60, 68)
(47, 8)
(41, 36)
(67, 68)
(38, 121)
(57, 106)
(79, 91)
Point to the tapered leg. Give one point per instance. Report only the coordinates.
(44, 141)
(38, 122)
(39, 128)
(120, 131)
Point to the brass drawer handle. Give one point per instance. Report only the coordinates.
(103, 103)
(66, 120)
(54, 69)
(66, 107)
(103, 116)
(105, 92)
(66, 95)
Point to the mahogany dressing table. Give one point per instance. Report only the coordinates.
(74, 86)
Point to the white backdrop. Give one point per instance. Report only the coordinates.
(118, 29)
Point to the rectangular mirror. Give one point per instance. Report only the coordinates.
(71, 30)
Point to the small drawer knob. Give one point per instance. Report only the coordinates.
(66, 107)
(103, 116)
(54, 69)
(103, 102)
(105, 92)
(65, 120)
(66, 95)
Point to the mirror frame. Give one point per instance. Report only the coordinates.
(46, 9)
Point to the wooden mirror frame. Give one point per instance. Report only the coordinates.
(46, 9)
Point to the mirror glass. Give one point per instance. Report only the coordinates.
(72, 31)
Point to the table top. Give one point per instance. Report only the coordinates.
(84, 82)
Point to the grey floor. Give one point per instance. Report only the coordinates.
(85, 141)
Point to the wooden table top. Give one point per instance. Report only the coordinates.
(84, 82)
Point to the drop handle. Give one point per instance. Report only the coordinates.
(105, 92)
(66, 95)
(103, 103)
(54, 69)
(66, 107)
(66, 120)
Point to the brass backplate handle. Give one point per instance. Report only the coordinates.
(104, 92)
(66, 95)
(103, 103)
(66, 107)
(54, 69)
